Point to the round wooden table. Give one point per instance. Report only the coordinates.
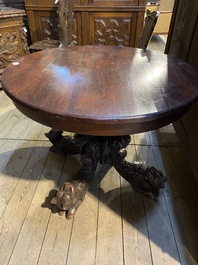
(103, 94)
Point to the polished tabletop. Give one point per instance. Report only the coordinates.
(101, 90)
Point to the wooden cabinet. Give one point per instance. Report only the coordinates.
(13, 42)
(95, 21)
(182, 42)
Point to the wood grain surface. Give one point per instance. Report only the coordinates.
(101, 90)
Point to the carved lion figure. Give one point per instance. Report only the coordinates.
(69, 197)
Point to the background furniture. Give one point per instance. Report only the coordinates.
(182, 42)
(65, 18)
(13, 42)
(165, 8)
(95, 21)
(149, 25)
(65, 25)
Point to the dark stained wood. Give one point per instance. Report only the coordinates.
(149, 25)
(101, 90)
(183, 30)
(183, 43)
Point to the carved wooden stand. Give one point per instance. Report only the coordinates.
(13, 36)
(94, 149)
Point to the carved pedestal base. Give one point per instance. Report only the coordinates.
(95, 149)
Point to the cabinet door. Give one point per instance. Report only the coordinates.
(44, 26)
(112, 28)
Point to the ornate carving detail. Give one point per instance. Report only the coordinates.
(69, 197)
(11, 18)
(62, 144)
(112, 31)
(24, 40)
(9, 47)
(95, 149)
(13, 41)
(146, 181)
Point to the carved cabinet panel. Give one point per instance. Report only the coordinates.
(95, 21)
(13, 42)
(48, 23)
(44, 26)
(113, 29)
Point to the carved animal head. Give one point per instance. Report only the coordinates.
(54, 134)
(64, 197)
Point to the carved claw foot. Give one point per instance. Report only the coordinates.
(146, 181)
(69, 197)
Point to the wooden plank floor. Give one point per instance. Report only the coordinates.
(114, 225)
